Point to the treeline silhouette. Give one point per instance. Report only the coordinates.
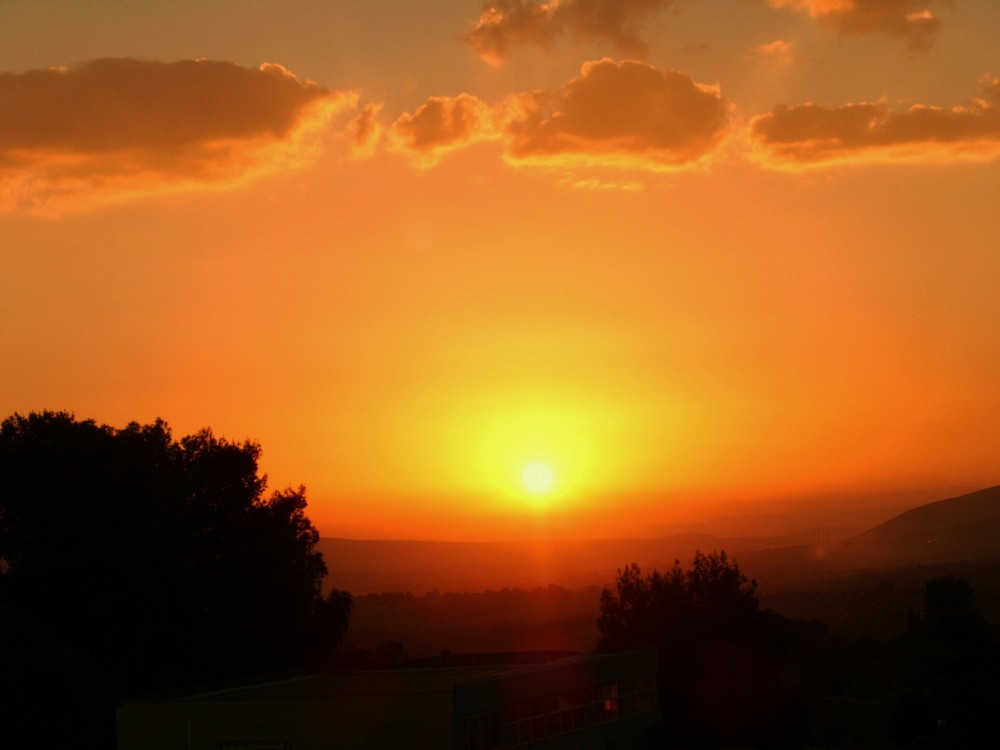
(549, 618)
(132, 561)
(733, 674)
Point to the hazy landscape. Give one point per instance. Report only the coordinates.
(135, 564)
(433, 596)
(341, 337)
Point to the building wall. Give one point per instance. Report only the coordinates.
(345, 722)
(599, 702)
(602, 702)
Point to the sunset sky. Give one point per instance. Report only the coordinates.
(682, 254)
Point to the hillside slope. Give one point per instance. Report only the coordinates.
(959, 528)
(964, 528)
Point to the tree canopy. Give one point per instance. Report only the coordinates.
(710, 598)
(160, 560)
(725, 669)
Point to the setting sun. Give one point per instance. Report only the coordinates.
(373, 335)
(538, 478)
(496, 277)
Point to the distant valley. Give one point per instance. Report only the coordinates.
(965, 528)
(433, 595)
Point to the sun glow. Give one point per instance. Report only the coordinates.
(538, 478)
(539, 452)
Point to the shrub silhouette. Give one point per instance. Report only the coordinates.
(726, 674)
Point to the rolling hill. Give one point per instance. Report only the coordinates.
(964, 528)
(858, 583)
(959, 528)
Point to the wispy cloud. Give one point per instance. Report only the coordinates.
(507, 23)
(115, 128)
(779, 51)
(907, 20)
(811, 135)
(621, 114)
(365, 130)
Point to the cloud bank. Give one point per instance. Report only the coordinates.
(623, 114)
(507, 23)
(811, 135)
(118, 127)
(907, 20)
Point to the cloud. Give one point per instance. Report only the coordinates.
(115, 128)
(907, 20)
(594, 183)
(621, 114)
(809, 134)
(441, 125)
(506, 23)
(778, 50)
(365, 130)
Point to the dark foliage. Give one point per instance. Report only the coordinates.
(732, 674)
(131, 560)
(729, 672)
(950, 664)
(539, 619)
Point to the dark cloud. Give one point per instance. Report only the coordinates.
(442, 124)
(125, 125)
(810, 134)
(627, 113)
(506, 23)
(907, 20)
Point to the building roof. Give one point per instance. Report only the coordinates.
(410, 680)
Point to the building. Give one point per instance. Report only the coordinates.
(603, 702)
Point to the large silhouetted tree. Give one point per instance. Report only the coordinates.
(158, 561)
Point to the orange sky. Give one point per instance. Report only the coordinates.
(692, 254)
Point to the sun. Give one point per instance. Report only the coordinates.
(538, 478)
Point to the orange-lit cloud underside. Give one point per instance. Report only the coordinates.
(627, 113)
(631, 114)
(809, 134)
(116, 128)
(124, 126)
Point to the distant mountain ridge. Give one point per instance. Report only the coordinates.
(376, 566)
(966, 527)
(963, 528)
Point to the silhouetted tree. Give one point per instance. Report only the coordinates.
(951, 663)
(331, 620)
(157, 561)
(711, 597)
(725, 669)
